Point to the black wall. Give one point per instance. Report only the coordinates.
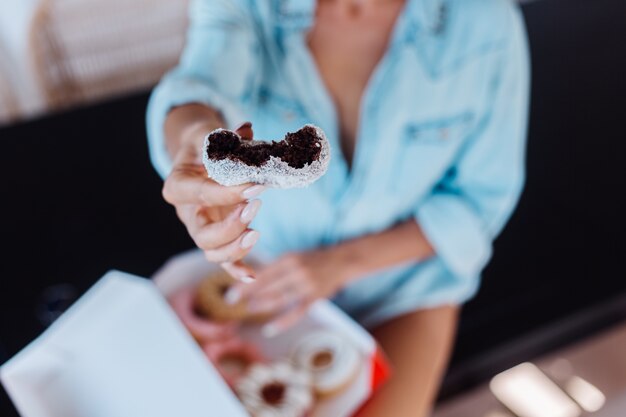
(79, 197)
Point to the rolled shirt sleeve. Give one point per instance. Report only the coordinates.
(217, 68)
(470, 206)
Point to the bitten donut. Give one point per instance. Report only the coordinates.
(296, 161)
(209, 299)
(233, 358)
(276, 390)
(332, 361)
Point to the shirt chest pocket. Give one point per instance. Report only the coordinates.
(426, 150)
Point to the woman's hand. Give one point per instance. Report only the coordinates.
(288, 286)
(216, 217)
(203, 330)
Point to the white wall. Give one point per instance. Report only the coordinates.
(15, 18)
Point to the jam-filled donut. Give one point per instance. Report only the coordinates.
(233, 359)
(332, 361)
(296, 161)
(275, 390)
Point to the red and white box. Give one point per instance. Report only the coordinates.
(121, 351)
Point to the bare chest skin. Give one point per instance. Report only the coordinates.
(347, 45)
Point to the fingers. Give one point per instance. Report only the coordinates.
(235, 250)
(239, 271)
(228, 240)
(282, 296)
(285, 321)
(190, 185)
(276, 289)
(212, 236)
(183, 304)
(265, 277)
(245, 131)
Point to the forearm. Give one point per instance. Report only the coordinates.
(401, 244)
(187, 125)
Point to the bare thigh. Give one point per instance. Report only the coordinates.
(418, 346)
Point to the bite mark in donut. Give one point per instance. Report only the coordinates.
(297, 149)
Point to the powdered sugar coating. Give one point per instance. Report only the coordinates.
(273, 173)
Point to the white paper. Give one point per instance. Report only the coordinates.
(119, 351)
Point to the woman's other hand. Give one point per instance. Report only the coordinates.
(203, 330)
(215, 216)
(288, 286)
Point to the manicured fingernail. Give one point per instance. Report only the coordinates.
(247, 279)
(250, 211)
(232, 296)
(270, 330)
(249, 239)
(253, 191)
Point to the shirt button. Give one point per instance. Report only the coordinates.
(289, 116)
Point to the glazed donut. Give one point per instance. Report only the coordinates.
(232, 359)
(296, 161)
(183, 303)
(275, 390)
(332, 361)
(209, 299)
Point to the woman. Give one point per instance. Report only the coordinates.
(425, 105)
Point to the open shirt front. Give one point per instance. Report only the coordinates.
(441, 137)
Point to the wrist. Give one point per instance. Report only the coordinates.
(351, 263)
(187, 125)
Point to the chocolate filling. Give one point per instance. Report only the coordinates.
(297, 149)
(273, 393)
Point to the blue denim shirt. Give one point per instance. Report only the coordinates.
(441, 136)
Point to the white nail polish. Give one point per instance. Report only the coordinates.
(232, 296)
(249, 239)
(247, 279)
(253, 191)
(270, 330)
(251, 209)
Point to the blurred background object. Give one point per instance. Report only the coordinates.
(587, 378)
(8, 103)
(61, 53)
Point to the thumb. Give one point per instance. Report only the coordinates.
(245, 131)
